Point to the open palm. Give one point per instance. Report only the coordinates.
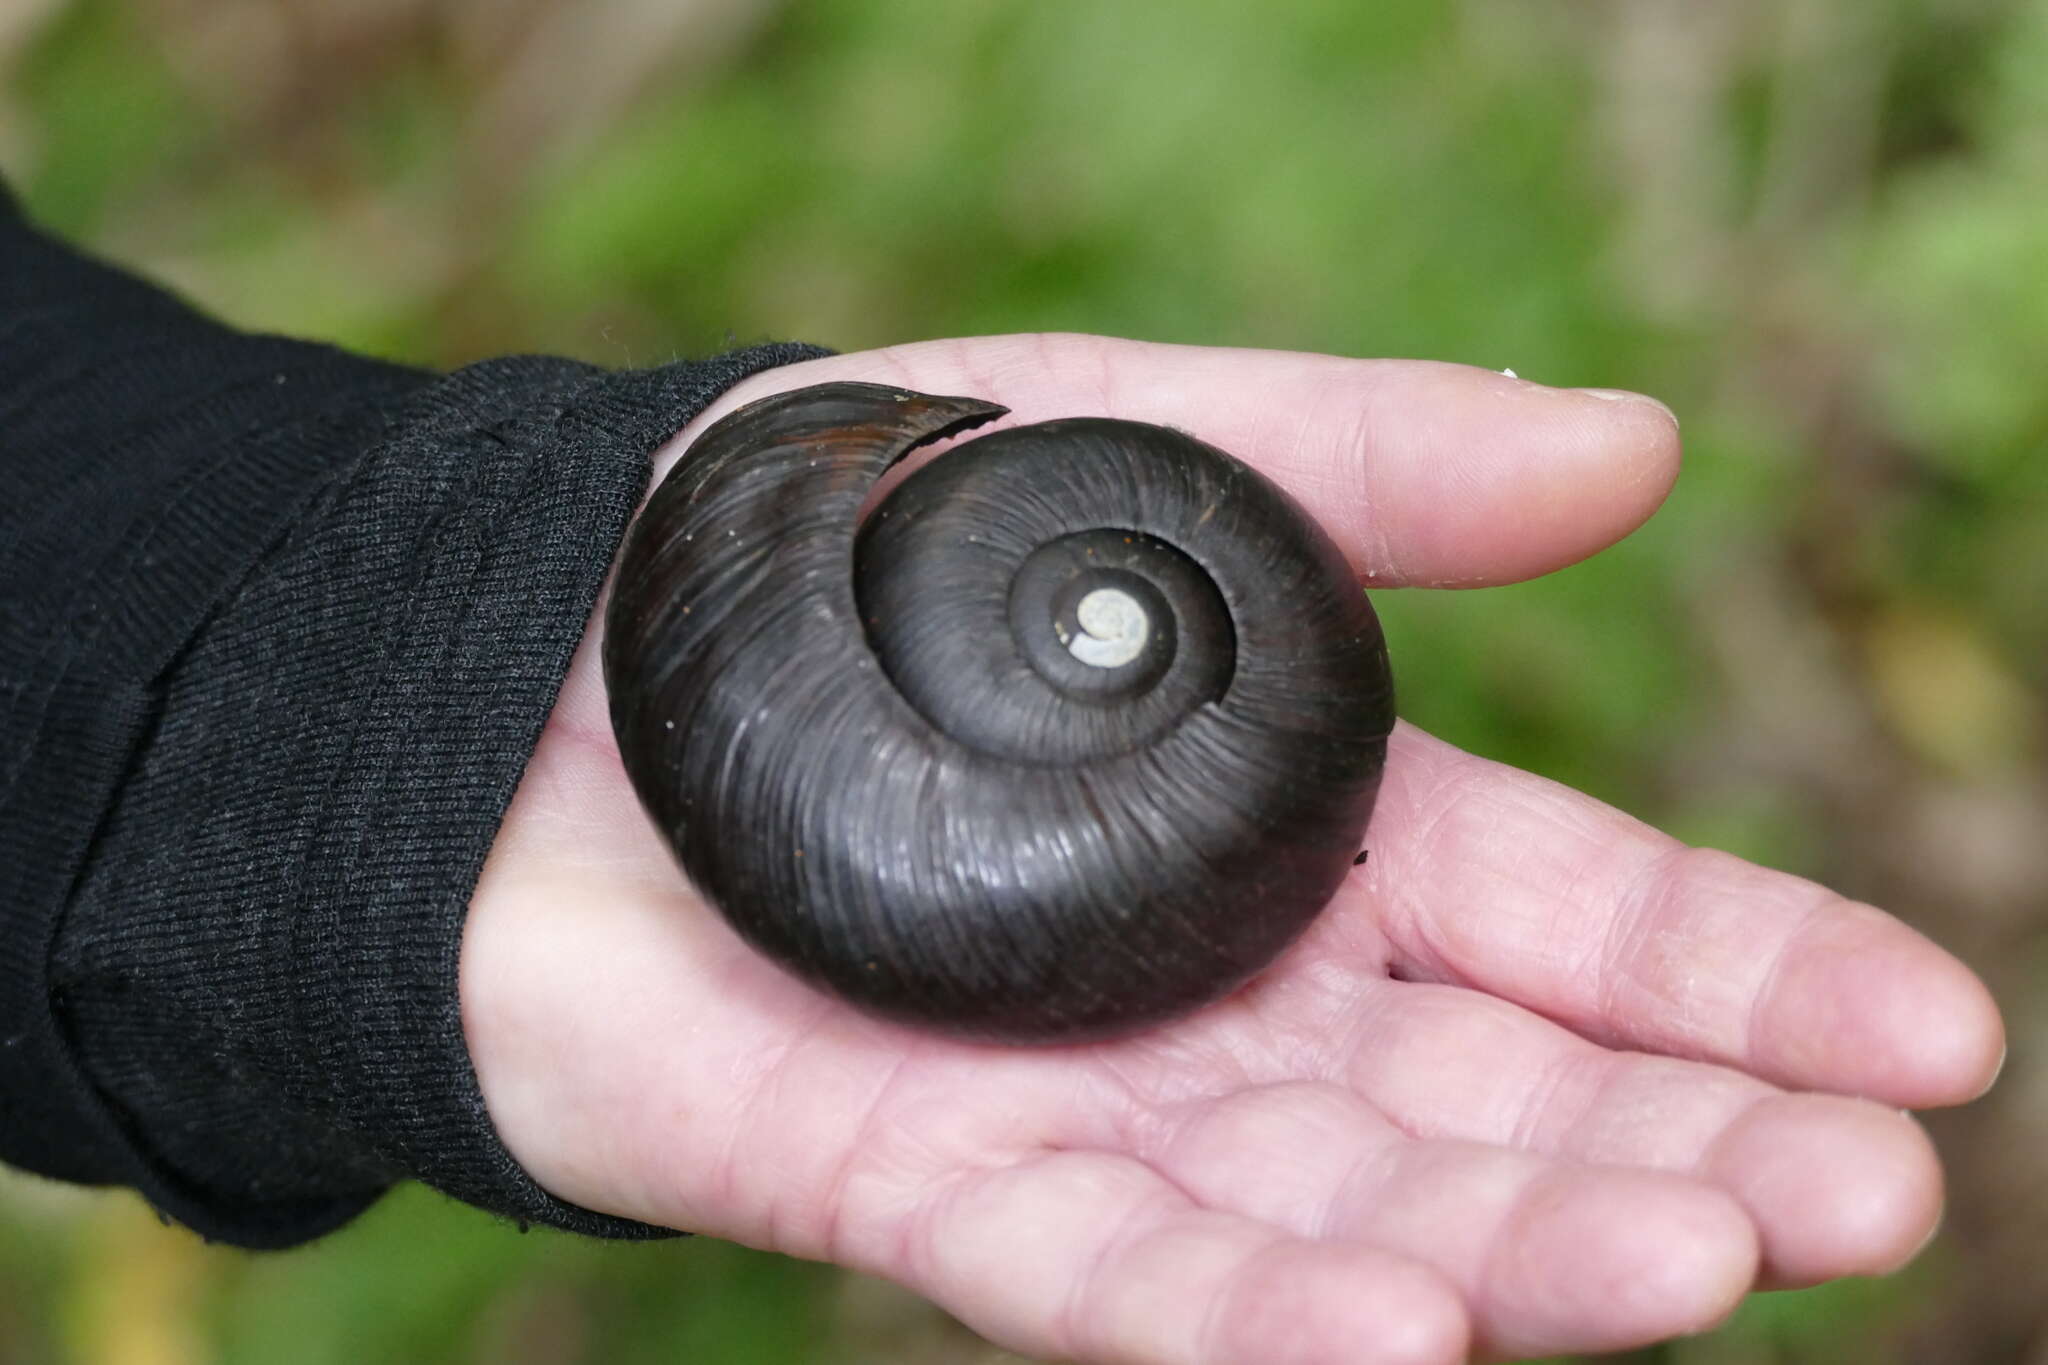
(1540, 1079)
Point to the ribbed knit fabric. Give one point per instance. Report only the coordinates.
(279, 627)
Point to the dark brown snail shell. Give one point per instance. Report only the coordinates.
(1075, 733)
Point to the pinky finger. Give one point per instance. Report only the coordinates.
(1094, 1257)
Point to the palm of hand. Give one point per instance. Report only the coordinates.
(1539, 1080)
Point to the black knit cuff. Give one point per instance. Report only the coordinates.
(513, 587)
(288, 871)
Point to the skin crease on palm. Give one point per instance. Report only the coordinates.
(1540, 1079)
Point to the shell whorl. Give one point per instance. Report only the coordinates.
(1074, 733)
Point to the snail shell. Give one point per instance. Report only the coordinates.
(1074, 733)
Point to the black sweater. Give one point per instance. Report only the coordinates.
(279, 626)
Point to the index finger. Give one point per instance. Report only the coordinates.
(1424, 473)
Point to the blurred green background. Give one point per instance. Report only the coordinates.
(1818, 228)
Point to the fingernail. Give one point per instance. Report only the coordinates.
(1996, 1071)
(1940, 1217)
(1626, 396)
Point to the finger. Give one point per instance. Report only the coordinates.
(1835, 1186)
(1424, 473)
(1551, 1256)
(1081, 1255)
(1491, 877)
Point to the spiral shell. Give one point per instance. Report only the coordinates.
(1076, 732)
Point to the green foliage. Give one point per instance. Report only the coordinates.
(1818, 231)
(111, 118)
(423, 1279)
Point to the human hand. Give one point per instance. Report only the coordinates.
(1540, 1079)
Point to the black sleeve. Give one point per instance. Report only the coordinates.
(279, 626)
